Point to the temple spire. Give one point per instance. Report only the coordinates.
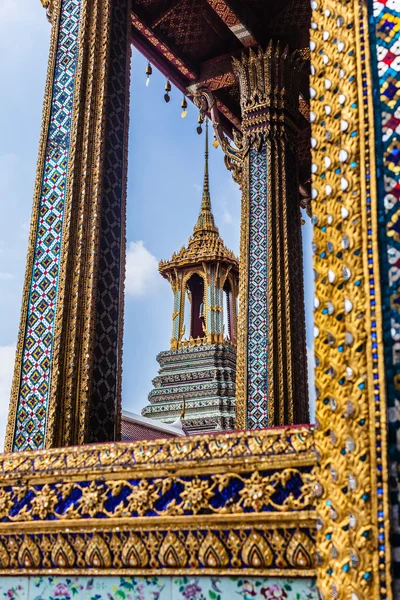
(206, 200)
(205, 222)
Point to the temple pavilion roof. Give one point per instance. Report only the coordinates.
(192, 42)
(205, 243)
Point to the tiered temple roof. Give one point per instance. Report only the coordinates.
(205, 244)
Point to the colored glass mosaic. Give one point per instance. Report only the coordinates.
(257, 394)
(202, 505)
(352, 461)
(39, 333)
(385, 51)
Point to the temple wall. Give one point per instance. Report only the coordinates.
(156, 588)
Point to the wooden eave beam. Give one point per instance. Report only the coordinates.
(217, 73)
(163, 15)
(171, 66)
(240, 20)
(160, 55)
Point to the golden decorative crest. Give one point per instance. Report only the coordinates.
(212, 552)
(29, 554)
(172, 552)
(49, 6)
(98, 554)
(300, 550)
(62, 553)
(256, 552)
(134, 553)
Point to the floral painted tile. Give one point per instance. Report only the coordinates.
(100, 588)
(14, 588)
(156, 588)
(247, 588)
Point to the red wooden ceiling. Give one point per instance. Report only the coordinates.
(192, 41)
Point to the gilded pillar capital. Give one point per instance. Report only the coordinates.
(269, 82)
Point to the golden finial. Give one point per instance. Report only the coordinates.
(206, 201)
(205, 243)
(205, 222)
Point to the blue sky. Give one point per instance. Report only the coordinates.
(166, 160)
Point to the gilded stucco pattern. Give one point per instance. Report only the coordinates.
(384, 27)
(239, 501)
(353, 555)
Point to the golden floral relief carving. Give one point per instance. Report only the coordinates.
(191, 496)
(172, 552)
(350, 379)
(256, 552)
(274, 444)
(44, 502)
(134, 553)
(259, 549)
(62, 553)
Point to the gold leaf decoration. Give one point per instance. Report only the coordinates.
(299, 550)
(134, 553)
(29, 554)
(62, 553)
(256, 552)
(172, 552)
(97, 553)
(212, 552)
(4, 557)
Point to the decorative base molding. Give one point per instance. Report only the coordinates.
(203, 376)
(238, 503)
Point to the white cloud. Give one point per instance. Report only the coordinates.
(227, 216)
(7, 357)
(6, 276)
(8, 10)
(141, 270)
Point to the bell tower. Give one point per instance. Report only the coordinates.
(200, 367)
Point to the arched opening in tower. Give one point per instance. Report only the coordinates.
(195, 285)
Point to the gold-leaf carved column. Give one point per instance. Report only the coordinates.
(67, 380)
(353, 546)
(272, 366)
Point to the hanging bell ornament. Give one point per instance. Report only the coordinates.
(167, 90)
(200, 120)
(149, 71)
(215, 142)
(184, 107)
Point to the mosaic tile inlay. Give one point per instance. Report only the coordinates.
(257, 394)
(39, 332)
(385, 51)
